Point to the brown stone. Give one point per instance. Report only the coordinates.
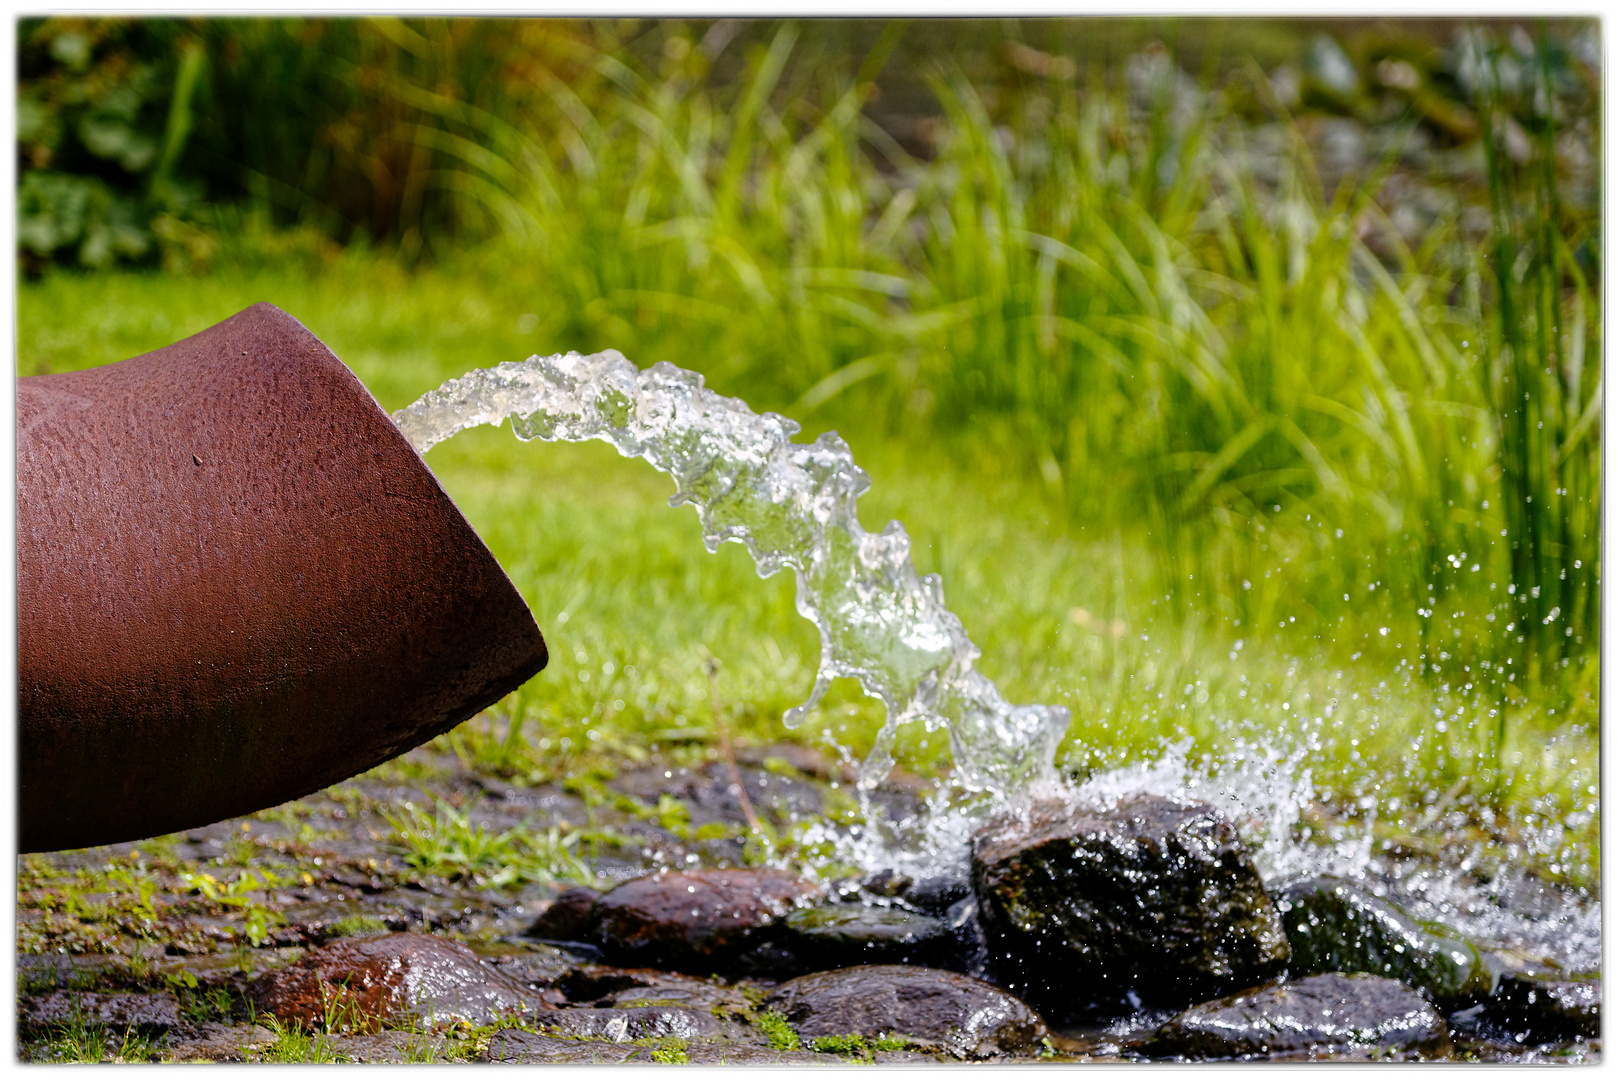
(568, 916)
(965, 1016)
(366, 983)
(621, 1025)
(702, 921)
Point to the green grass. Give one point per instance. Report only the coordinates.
(445, 842)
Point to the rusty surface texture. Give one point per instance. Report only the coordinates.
(237, 583)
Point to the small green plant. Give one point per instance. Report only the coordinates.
(238, 894)
(357, 924)
(672, 1052)
(295, 1046)
(776, 1029)
(846, 1045)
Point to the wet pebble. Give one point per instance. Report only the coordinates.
(567, 918)
(846, 935)
(368, 982)
(621, 1025)
(1319, 1015)
(1333, 925)
(967, 1017)
(703, 921)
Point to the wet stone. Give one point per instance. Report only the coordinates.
(535, 965)
(700, 922)
(1332, 925)
(514, 1046)
(846, 935)
(1148, 897)
(393, 979)
(568, 916)
(216, 1042)
(145, 1012)
(621, 1025)
(1544, 1008)
(1319, 1015)
(967, 1017)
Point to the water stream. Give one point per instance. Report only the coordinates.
(886, 626)
(881, 623)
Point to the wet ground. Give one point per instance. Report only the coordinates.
(150, 950)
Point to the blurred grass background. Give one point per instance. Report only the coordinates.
(1274, 344)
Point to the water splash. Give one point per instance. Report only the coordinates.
(792, 505)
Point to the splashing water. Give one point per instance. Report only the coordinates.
(881, 623)
(792, 504)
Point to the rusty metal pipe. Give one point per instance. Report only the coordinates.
(237, 583)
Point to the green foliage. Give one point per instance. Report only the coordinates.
(244, 894)
(847, 1045)
(776, 1029)
(295, 1046)
(671, 1052)
(357, 924)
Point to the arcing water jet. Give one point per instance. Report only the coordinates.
(792, 505)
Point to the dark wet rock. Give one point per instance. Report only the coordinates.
(515, 1046)
(144, 1012)
(216, 1042)
(619, 1025)
(846, 935)
(1544, 1008)
(700, 922)
(1333, 925)
(568, 916)
(1316, 1015)
(965, 1016)
(1149, 896)
(368, 982)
